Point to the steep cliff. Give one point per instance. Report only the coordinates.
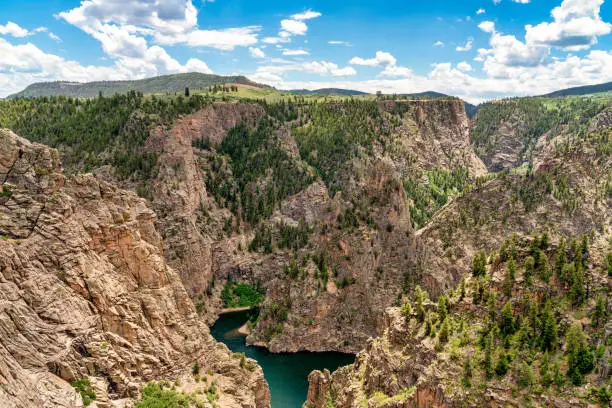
(85, 292)
(524, 316)
(356, 261)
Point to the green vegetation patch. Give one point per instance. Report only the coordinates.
(428, 197)
(242, 295)
(160, 395)
(83, 387)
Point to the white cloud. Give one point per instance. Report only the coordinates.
(466, 47)
(294, 27)
(337, 42)
(381, 59)
(487, 26)
(55, 37)
(14, 30)
(295, 52)
(596, 67)
(276, 40)
(273, 74)
(507, 53)
(307, 15)
(576, 26)
(464, 66)
(438, 44)
(395, 71)
(480, 11)
(256, 52)
(168, 22)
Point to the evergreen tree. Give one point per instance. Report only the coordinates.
(548, 335)
(580, 359)
(546, 377)
(529, 266)
(443, 307)
(510, 277)
(487, 363)
(445, 331)
(507, 322)
(479, 264)
(501, 368)
(577, 289)
(525, 375)
(561, 259)
(599, 316)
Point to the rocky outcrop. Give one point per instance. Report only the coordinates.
(430, 134)
(85, 292)
(564, 196)
(368, 266)
(180, 188)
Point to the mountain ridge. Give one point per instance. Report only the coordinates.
(158, 84)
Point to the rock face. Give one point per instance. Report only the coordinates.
(407, 367)
(180, 189)
(564, 196)
(368, 266)
(85, 292)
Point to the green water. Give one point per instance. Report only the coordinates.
(286, 373)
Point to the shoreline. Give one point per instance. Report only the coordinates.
(235, 309)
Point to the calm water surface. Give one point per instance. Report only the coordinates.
(287, 373)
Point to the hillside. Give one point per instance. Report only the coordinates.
(87, 301)
(581, 90)
(160, 84)
(525, 322)
(327, 91)
(328, 212)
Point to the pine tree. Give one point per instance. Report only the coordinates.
(420, 297)
(487, 362)
(577, 289)
(443, 307)
(548, 335)
(479, 264)
(599, 316)
(501, 368)
(529, 266)
(510, 277)
(445, 331)
(525, 375)
(507, 322)
(546, 378)
(561, 259)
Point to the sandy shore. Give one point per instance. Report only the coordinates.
(235, 309)
(244, 329)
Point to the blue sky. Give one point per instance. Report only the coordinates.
(476, 49)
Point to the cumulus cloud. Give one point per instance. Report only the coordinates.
(274, 74)
(381, 59)
(467, 46)
(295, 52)
(487, 26)
(438, 44)
(294, 27)
(15, 30)
(307, 15)
(576, 26)
(464, 66)
(256, 52)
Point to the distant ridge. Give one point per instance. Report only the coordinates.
(159, 84)
(581, 90)
(327, 91)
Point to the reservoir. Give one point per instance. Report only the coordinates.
(286, 373)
